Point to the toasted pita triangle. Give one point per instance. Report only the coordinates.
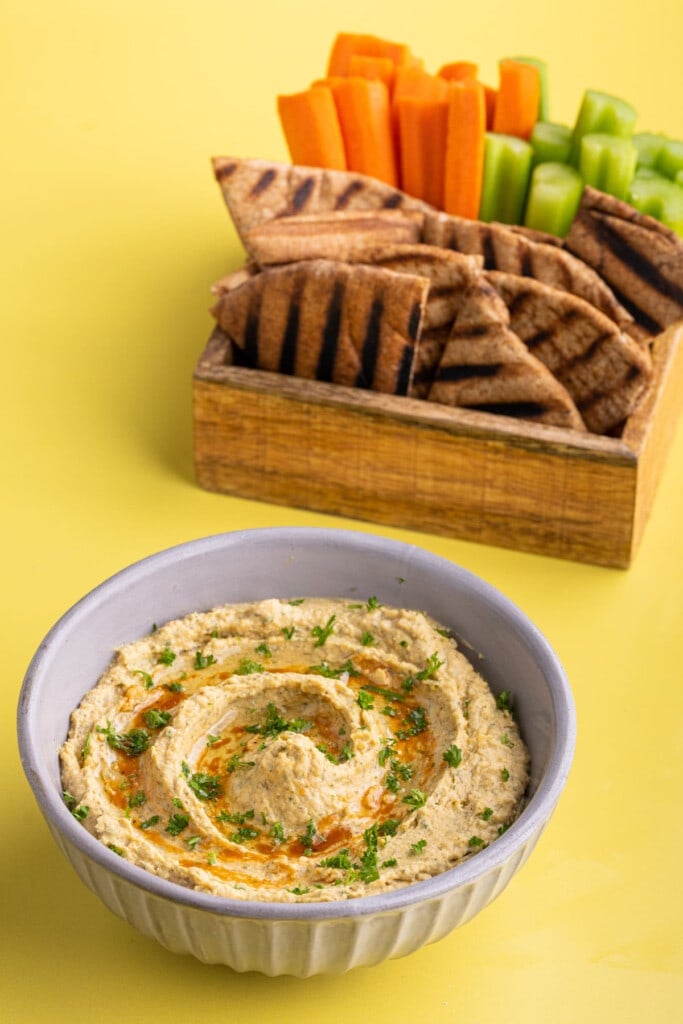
(344, 323)
(484, 366)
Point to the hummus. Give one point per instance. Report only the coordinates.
(311, 749)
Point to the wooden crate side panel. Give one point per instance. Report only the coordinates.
(375, 468)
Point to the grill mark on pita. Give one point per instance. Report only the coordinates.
(349, 192)
(224, 171)
(526, 262)
(452, 374)
(263, 182)
(301, 196)
(290, 338)
(403, 379)
(516, 303)
(414, 321)
(393, 201)
(636, 312)
(330, 339)
(642, 266)
(476, 331)
(370, 348)
(488, 251)
(523, 410)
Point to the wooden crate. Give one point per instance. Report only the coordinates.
(410, 463)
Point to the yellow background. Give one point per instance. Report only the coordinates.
(112, 231)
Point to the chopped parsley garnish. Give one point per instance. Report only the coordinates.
(297, 600)
(274, 724)
(79, 811)
(323, 669)
(278, 833)
(341, 860)
(384, 691)
(504, 701)
(137, 799)
(132, 743)
(321, 633)
(503, 828)
(288, 632)
(369, 871)
(385, 751)
(244, 834)
(155, 819)
(205, 786)
(418, 847)
(388, 827)
(372, 603)
(416, 798)
(238, 818)
(416, 722)
(504, 774)
(193, 841)
(211, 857)
(202, 660)
(177, 823)
(264, 650)
(444, 632)
(235, 762)
(432, 667)
(298, 891)
(246, 667)
(116, 849)
(475, 841)
(365, 700)
(505, 739)
(345, 755)
(307, 838)
(486, 814)
(367, 639)
(175, 687)
(408, 683)
(146, 678)
(211, 740)
(167, 657)
(85, 749)
(399, 772)
(155, 718)
(453, 756)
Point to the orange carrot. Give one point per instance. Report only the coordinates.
(464, 149)
(519, 94)
(422, 132)
(413, 83)
(458, 71)
(348, 44)
(490, 96)
(365, 120)
(382, 68)
(311, 127)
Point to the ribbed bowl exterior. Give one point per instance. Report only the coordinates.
(299, 948)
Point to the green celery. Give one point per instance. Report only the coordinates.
(507, 169)
(550, 142)
(670, 158)
(658, 197)
(554, 197)
(604, 114)
(608, 162)
(649, 145)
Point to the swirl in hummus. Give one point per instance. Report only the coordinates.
(311, 749)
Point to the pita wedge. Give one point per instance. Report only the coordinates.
(256, 191)
(484, 366)
(638, 256)
(338, 322)
(515, 253)
(604, 370)
(340, 235)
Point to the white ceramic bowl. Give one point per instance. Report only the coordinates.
(313, 938)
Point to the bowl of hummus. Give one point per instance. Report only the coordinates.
(296, 751)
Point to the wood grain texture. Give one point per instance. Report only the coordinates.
(409, 463)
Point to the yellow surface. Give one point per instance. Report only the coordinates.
(112, 230)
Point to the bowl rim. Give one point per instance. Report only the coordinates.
(530, 823)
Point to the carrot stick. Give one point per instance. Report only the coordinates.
(365, 120)
(382, 68)
(490, 96)
(519, 94)
(464, 149)
(458, 71)
(348, 44)
(311, 127)
(422, 132)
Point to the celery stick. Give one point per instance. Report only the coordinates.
(543, 103)
(554, 197)
(550, 142)
(649, 145)
(670, 158)
(507, 168)
(601, 113)
(679, 178)
(657, 196)
(608, 162)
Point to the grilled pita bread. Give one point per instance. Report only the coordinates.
(340, 235)
(638, 256)
(514, 253)
(256, 191)
(486, 367)
(604, 370)
(343, 323)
